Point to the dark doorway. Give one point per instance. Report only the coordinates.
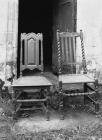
(37, 16)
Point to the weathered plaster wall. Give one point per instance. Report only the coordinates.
(89, 19)
(8, 36)
(3, 32)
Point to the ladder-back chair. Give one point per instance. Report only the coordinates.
(31, 51)
(69, 70)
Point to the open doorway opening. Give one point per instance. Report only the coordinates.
(37, 17)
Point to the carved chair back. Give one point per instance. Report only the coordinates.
(31, 52)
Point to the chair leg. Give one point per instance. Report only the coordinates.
(96, 107)
(61, 101)
(61, 108)
(96, 103)
(85, 99)
(47, 105)
(20, 73)
(14, 105)
(47, 113)
(85, 90)
(14, 113)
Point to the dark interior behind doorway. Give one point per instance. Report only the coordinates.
(37, 16)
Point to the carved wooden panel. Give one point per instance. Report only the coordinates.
(31, 51)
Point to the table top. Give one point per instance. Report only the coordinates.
(31, 81)
(75, 78)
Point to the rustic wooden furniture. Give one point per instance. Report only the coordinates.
(69, 69)
(31, 51)
(31, 92)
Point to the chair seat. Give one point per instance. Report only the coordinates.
(31, 81)
(75, 78)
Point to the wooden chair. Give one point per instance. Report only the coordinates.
(69, 69)
(31, 52)
(33, 89)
